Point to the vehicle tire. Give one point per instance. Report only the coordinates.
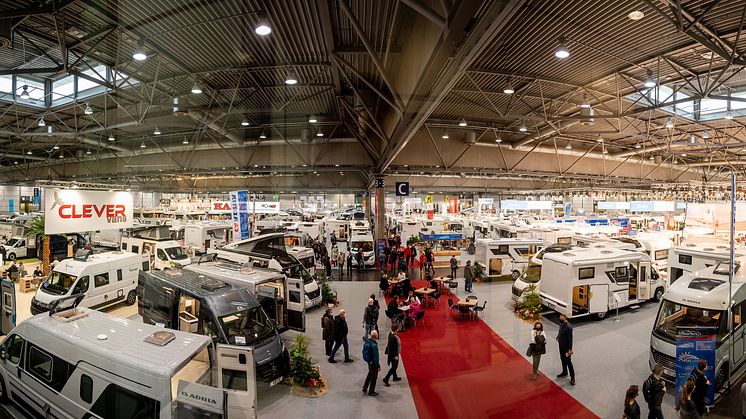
(658, 294)
(721, 376)
(131, 298)
(11, 256)
(515, 275)
(601, 316)
(3, 392)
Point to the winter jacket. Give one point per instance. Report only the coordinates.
(454, 263)
(340, 328)
(564, 337)
(327, 327)
(371, 347)
(393, 347)
(468, 273)
(656, 391)
(370, 316)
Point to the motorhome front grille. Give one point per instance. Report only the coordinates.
(313, 294)
(272, 369)
(665, 360)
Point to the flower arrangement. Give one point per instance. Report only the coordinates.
(528, 307)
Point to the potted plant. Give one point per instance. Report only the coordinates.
(305, 376)
(478, 272)
(328, 295)
(36, 229)
(528, 306)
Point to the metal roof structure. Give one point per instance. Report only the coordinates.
(391, 84)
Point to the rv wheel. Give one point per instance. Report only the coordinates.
(658, 294)
(131, 297)
(721, 376)
(515, 275)
(601, 316)
(3, 393)
(11, 256)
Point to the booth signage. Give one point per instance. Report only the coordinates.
(486, 201)
(243, 214)
(693, 344)
(264, 207)
(402, 188)
(234, 216)
(201, 396)
(220, 207)
(73, 210)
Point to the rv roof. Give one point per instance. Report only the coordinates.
(193, 282)
(591, 256)
(497, 242)
(236, 270)
(117, 339)
(71, 265)
(704, 288)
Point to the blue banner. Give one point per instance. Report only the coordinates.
(11, 205)
(433, 237)
(243, 214)
(693, 344)
(234, 216)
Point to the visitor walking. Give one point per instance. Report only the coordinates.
(393, 349)
(653, 390)
(370, 355)
(370, 318)
(701, 383)
(631, 408)
(341, 264)
(454, 266)
(468, 276)
(340, 337)
(564, 338)
(537, 347)
(687, 408)
(327, 330)
(349, 264)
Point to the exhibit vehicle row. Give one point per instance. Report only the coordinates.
(506, 256)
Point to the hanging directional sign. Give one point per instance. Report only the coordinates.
(379, 183)
(402, 188)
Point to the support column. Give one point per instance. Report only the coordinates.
(380, 233)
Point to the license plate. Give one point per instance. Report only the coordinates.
(668, 372)
(550, 305)
(276, 381)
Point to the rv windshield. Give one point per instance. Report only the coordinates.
(366, 246)
(307, 262)
(298, 271)
(176, 253)
(532, 274)
(58, 283)
(251, 323)
(673, 315)
(12, 242)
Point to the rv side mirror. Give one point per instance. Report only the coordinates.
(2, 353)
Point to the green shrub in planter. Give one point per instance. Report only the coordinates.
(303, 372)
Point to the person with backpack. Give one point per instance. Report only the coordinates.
(631, 408)
(537, 347)
(370, 355)
(653, 390)
(454, 266)
(701, 383)
(327, 330)
(370, 318)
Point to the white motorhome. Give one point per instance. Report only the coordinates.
(408, 229)
(156, 242)
(82, 363)
(656, 248)
(341, 228)
(693, 257)
(312, 228)
(506, 256)
(105, 279)
(532, 274)
(305, 256)
(270, 251)
(700, 299)
(480, 229)
(106, 238)
(365, 242)
(206, 237)
(584, 282)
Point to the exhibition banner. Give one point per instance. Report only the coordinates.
(220, 207)
(652, 206)
(75, 210)
(612, 205)
(515, 204)
(486, 201)
(243, 214)
(693, 344)
(234, 216)
(264, 207)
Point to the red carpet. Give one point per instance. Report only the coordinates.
(462, 369)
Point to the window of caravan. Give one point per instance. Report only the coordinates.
(40, 364)
(118, 402)
(620, 274)
(251, 323)
(135, 249)
(124, 246)
(101, 280)
(685, 259)
(661, 254)
(673, 315)
(14, 348)
(365, 245)
(119, 274)
(176, 253)
(58, 283)
(86, 388)
(586, 273)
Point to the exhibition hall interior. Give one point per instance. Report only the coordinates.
(464, 208)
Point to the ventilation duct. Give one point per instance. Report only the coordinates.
(305, 135)
(471, 137)
(586, 115)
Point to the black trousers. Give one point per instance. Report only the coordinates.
(370, 380)
(566, 363)
(453, 273)
(394, 363)
(329, 344)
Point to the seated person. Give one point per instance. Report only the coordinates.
(414, 308)
(383, 284)
(37, 272)
(412, 298)
(406, 286)
(393, 311)
(402, 276)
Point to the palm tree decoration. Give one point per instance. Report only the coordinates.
(35, 229)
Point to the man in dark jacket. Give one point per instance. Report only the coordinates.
(374, 365)
(468, 276)
(393, 348)
(327, 330)
(653, 391)
(370, 317)
(701, 383)
(564, 338)
(340, 336)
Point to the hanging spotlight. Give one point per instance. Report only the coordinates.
(585, 104)
(312, 119)
(290, 78)
(561, 52)
(445, 135)
(319, 133)
(139, 53)
(462, 123)
(728, 115)
(24, 93)
(41, 122)
(29, 152)
(568, 146)
(669, 123)
(142, 145)
(262, 135)
(185, 141)
(705, 135)
(111, 137)
(62, 156)
(56, 147)
(88, 110)
(157, 131)
(508, 90)
(498, 139)
(196, 89)
(649, 80)
(262, 27)
(522, 128)
(651, 158)
(88, 152)
(245, 123)
(638, 145)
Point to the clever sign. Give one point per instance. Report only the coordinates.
(74, 210)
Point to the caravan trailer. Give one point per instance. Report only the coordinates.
(584, 282)
(506, 256)
(701, 299)
(695, 257)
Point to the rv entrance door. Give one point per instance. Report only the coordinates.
(643, 280)
(270, 296)
(8, 308)
(296, 304)
(599, 298)
(237, 379)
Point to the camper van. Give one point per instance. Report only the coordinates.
(193, 302)
(506, 256)
(106, 238)
(583, 282)
(156, 242)
(532, 274)
(206, 237)
(270, 251)
(656, 248)
(312, 228)
(104, 279)
(700, 299)
(80, 363)
(363, 241)
(341, 228)
(60, 246)
(694, 257)
(305, 256)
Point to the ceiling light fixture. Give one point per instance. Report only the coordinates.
(692, 139)
(568, 146)
(312, 119)
(111, 137)
(245, 123)
(56, 147)
(706, 135)
(649, 80)
(262, 27)
(319, 133)
(262, 135)
(290, 78)
(62, 156)
(196, 89)
(498, 139)
(185, 141)
(728, 115)
(683, 154)
(88, 110)
(562, 52)
(142, 144)
(509, 90)
(41, 122)
(669, 123)
(157, 131)
(462, 123)
(638, 145)
(651, 158)
(29, 152)
(522, 128)
(636, 15)
(139, 53)
(585, 104)
(445, 135)
(88, 152)
(24, 93)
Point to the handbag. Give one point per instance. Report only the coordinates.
(530, 350)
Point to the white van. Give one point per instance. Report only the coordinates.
(312, 228)
(695, 257)
(656, 248)
(365, 242)
(18, 247)
(584, 282)
(532, 274)
(700, 299)
(105, 279)
(506, 256)
(82, 363)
